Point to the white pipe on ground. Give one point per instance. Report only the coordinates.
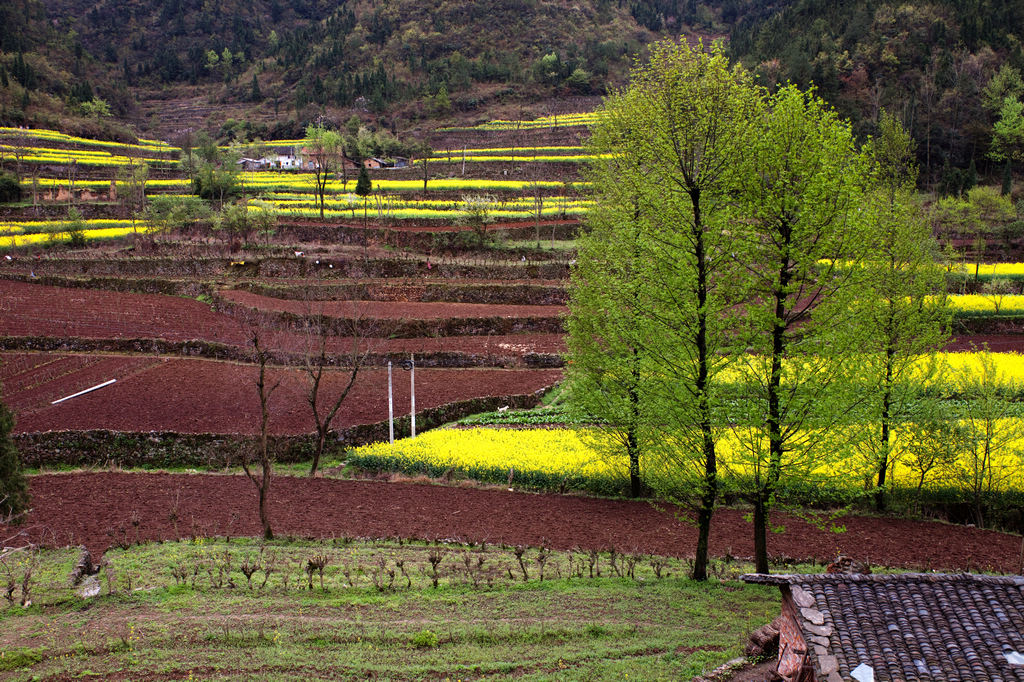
(75, 395)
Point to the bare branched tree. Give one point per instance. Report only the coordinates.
(317, 359)
(262, 478)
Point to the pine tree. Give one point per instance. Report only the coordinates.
(13, 487)
(254, 93)
(363, 185)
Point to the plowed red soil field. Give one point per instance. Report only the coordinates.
(997, 343)
(207, 396)
(92, 508)
(38, 310)
(391, 310)
(35, 310)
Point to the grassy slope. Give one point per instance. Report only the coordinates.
(575, 629)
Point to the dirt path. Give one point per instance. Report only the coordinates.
(98, 510)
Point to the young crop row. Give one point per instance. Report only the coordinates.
(523, 156)
(80, 156)
(42, 135)
(457, 154)
(306, 182)
(591, 459)
(268, 182)
(152, 185)
(553, 121)
(397, 207)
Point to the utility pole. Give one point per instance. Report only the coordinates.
(391, 410)
(409, 365)
(412, 396)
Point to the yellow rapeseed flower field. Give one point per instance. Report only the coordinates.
(9, 240)
(992, 269)
(540, 457)
(987, 304)
(591, 459)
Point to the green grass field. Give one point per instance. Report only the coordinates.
(185, 610)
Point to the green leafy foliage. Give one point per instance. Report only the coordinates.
(872, 54)
(10, 187)
(14, 496)
(167, 212)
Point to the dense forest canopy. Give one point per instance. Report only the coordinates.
(928, 63)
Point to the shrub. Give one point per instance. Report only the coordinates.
(425, 639)
(13, 487)
(10, 188)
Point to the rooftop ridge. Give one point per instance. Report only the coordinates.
(831, 578)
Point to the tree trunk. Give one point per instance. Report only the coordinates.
(883, 463)
(774, 395)
(633, 450)
(761, 533)
(632, 441)
(709, 484)
(700, 562)
(264, 489)
(321, 438)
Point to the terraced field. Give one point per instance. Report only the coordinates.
(185, 395)
(174, 325)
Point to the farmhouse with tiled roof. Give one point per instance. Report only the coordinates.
(877, 628)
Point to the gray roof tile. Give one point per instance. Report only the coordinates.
(914, 626)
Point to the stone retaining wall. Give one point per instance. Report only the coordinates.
(214, 451)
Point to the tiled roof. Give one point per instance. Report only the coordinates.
(913, 626)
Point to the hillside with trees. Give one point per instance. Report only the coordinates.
(269, 61)
(942, 68)
(269, 68)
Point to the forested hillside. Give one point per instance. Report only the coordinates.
(934, 65)
(267, 67)
(273, 61)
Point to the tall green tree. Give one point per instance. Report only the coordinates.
(364, 188)
(217, 175)
(802, 236)
(1008, 132)
(902, 307)
(668, 148)
(605, 371)
(992, 453)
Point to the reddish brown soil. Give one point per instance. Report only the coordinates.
(434, 226)
(35, 310)
(412, 281)
(997, 343)
(207, 396)
(391, 310)
(92, 509)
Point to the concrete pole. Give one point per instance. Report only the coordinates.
(391, 410)
(412, 394)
